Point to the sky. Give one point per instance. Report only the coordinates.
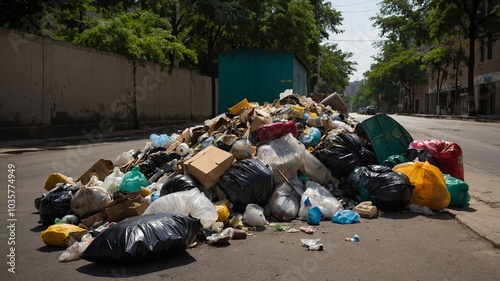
(359, 34)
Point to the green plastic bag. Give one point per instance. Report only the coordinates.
(458, 190)
(133, 180)
(394, 160)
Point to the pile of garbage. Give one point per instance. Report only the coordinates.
(210, 183)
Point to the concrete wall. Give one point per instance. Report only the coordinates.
(50, 89)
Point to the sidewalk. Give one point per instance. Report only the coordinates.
(478, 118)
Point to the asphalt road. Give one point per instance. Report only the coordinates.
(395, 246)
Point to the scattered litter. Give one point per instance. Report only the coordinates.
(345, 217)
(307, 229)
(282, 228)
(312, 244)
(355, 238)
(415, 208)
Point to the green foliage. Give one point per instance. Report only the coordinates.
(139, 36)
(293, 29)
(335, 68)
(364, 96)
(66, 19)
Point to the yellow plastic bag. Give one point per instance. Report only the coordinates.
(430, 187)
(59, 234)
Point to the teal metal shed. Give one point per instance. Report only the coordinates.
(258, 75)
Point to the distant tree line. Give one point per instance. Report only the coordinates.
(426, 38)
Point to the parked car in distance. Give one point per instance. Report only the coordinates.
(361, 110)
(370, 110)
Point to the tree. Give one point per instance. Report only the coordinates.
(67, 19)
(445, 46)
(24, 15)
(364, 96)
(140, 36)
(335, 68)
(475, 17)
(397, 66)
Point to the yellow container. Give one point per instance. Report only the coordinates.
(297, 111)
(145, 191)
(238, 108)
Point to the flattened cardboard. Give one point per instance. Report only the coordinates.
(101, 169)
(185, 137)
(208, 165)
(130, 205)
(88, 222)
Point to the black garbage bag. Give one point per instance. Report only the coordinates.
(421, 154)
(344, 152)
(158, 159)
(56, 203)
(180, 182)
(247, 181)
(388, 190)
(140, 238)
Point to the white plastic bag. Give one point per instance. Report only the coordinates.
(190, 202)
(284, 154)
(242, 149)
(125, 158)
(321, 197)
(113, 180)
(89, 200)
(73, 252)
(94, 181)
(314, 169)
(254, 215)
(284, 205)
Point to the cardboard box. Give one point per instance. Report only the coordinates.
(101, 169)
(88, 222)
(256, 123)
(130, 205)
(208, 165)
(185, 136)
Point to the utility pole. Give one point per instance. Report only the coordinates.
(318, 66)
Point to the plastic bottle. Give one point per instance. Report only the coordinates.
(207, 142)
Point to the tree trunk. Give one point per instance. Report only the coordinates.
(470, 76)
(470, 72)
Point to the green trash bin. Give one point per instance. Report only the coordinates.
(386, 136)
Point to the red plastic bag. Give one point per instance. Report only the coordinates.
(447, 154)
(277, 130)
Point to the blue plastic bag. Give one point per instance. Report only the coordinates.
(345, 217)
(314, 215)
(312, 138)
